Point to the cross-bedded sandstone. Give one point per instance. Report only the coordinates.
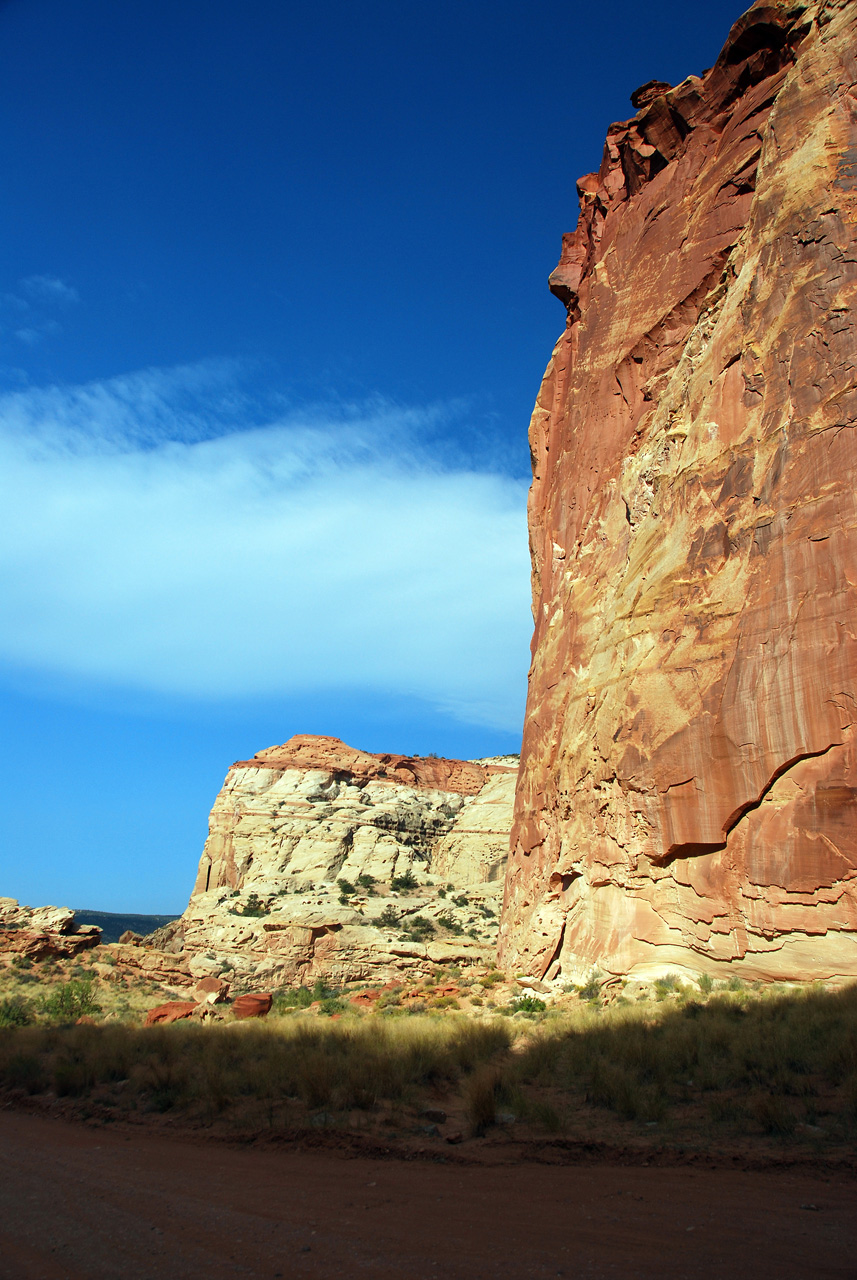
(688, 787)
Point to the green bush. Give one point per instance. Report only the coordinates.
(15, 1012)
(253, 907)
(407, 880)
(366, 881)
(346, 888)
(449, 922)
(420, 927)
(591, 989)
(71, 1000)
(293, 998)
(388, 919)
(528, 1004)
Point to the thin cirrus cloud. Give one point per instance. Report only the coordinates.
(29, 310)
(49, 289)
(163, 532)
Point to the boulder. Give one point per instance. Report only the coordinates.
(172, 1011)
(253, 1005)
(211, 991)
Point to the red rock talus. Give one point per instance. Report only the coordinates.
(688, 785)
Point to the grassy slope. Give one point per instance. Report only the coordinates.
(673, 1067)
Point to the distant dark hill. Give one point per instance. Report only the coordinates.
(113, 924)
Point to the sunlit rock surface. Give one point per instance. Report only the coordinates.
(688, 781)
(293, 831)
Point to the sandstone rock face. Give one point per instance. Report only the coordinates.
(40, 932)
(308, 842)
(688, 786)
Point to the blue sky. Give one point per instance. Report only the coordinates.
(273, 314)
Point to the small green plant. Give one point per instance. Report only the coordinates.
(706, 984)
(293, 998)
(462, 900)
(668, 985)
(591, 990)
(419, 927)
(366, 882)
(407, 880)
(491, 979)
(346, 888)
(388, 919)
(15, 1012)
(441, 893)
(449, 922)
(253, 907)
(71, 1000)
(529, 1004)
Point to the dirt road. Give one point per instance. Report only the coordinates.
(81, 1203)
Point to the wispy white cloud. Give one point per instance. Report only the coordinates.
(49, 289)
(163, 532)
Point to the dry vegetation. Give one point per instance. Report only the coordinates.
(675, 1067)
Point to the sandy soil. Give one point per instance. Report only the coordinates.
(82, 1202)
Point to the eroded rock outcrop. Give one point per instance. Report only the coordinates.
(688, 787)
(326, 862)
(38, 933)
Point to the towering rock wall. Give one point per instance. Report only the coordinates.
(688, 778)
(293, 824)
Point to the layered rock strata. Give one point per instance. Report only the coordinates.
(688, 787)
(43, 932)
(326, 862)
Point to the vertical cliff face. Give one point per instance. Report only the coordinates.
(688, 787)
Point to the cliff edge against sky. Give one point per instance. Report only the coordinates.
(688, 778)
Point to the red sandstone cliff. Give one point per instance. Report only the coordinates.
(688, 779)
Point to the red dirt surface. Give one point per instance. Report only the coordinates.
(80, 1202)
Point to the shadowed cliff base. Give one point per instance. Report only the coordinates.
(735, 1077)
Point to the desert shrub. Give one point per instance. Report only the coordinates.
(420, 927)
(366, 881)
(591, 989)
(388, 919)
(667, 985)
(24, 1071)
(773, 1113)
(491, 979)
(71, 1000)
(292, 998)
(346, 888)
(706, 984)
(252, 907)
(15, 1011)
(462, 900)
(480, 1099)
(448, 921)
(407, 880)
(528, 1003)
